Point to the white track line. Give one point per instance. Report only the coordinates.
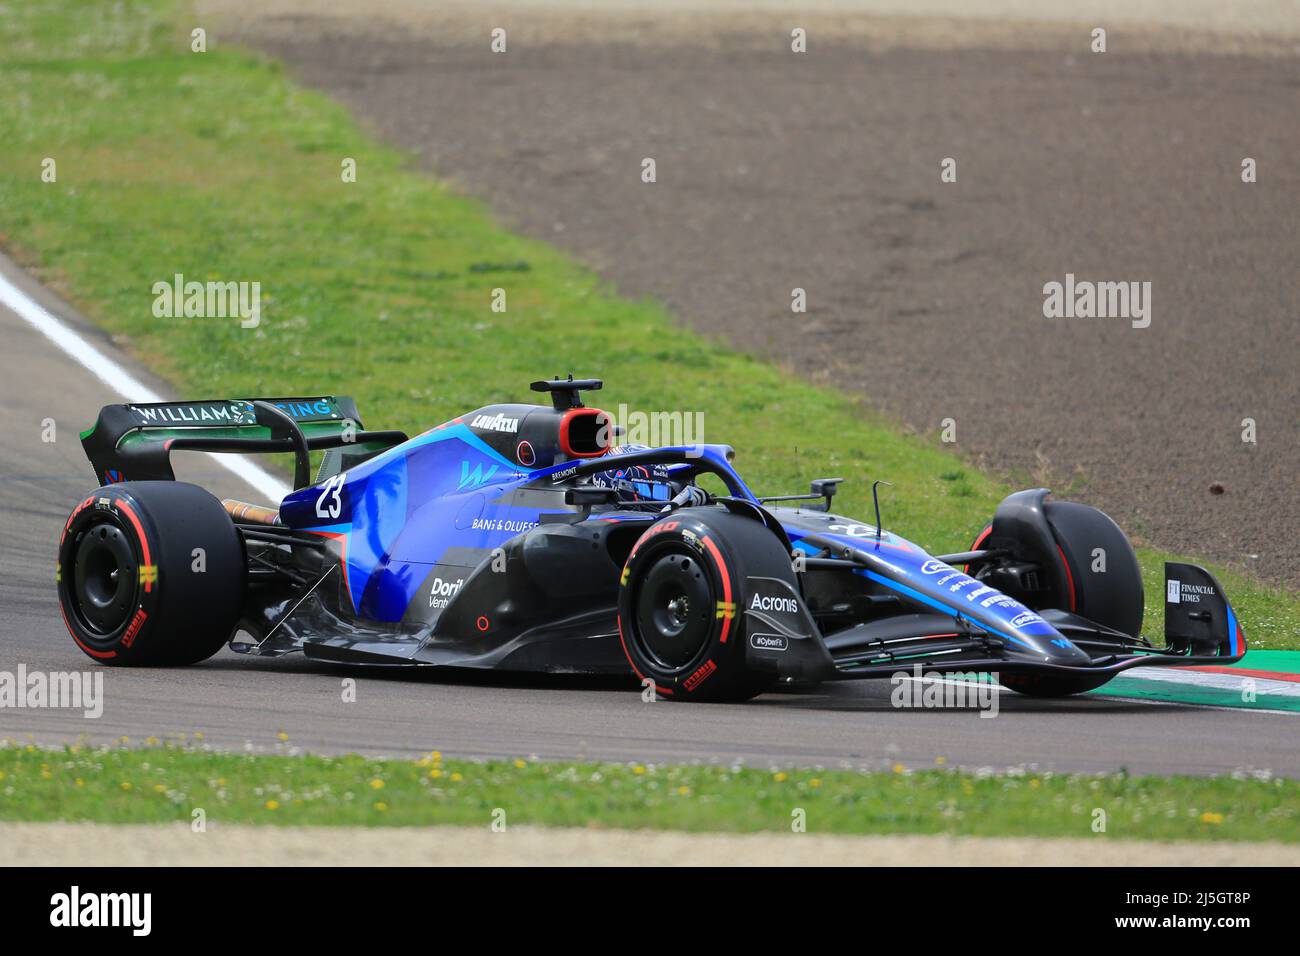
(121, 381)
(1233, 682)
(1221, 708)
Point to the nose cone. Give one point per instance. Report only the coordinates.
(1049, 644)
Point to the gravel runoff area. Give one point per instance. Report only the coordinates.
(88, 844)
(822, 171)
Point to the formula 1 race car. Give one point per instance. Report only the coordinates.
(525, 538)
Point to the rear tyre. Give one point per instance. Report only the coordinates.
(681, 603)
(150, 573)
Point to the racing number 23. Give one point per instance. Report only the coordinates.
(330, 502)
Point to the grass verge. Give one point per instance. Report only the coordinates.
(168, 782)
(215, 166)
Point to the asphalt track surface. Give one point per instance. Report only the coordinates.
(239, 703)
(822, 171)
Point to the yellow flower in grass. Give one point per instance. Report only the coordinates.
(683, 791)
(376, 784)
(381, 806)
(520, 764)
(125, 785)
(1209, 817)
(435, 773)
(638, 770)
(273, 804)
(814, 782)
(159, 788)
(780, 776)
(456, 778)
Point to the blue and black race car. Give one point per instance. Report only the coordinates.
(525, 538)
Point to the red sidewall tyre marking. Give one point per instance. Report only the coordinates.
(1069, 579)
(726, 585)
(140, 537)
(101, 655)
(983, 535)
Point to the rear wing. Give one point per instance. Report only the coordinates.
(134, 442)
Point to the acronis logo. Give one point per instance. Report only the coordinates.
(472, 479)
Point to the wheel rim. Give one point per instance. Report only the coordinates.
(103, 578)
(674, 610)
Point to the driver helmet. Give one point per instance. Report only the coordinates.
(638, 482)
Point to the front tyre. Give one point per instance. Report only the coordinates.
(1104, 581)
(150, 573)
(1091, 558)
(681, 600)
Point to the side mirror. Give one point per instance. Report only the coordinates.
(825, 488)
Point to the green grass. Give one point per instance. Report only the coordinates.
(162, 783)
(217, 166)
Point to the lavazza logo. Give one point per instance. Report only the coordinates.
(496, 423)
(76, 909)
